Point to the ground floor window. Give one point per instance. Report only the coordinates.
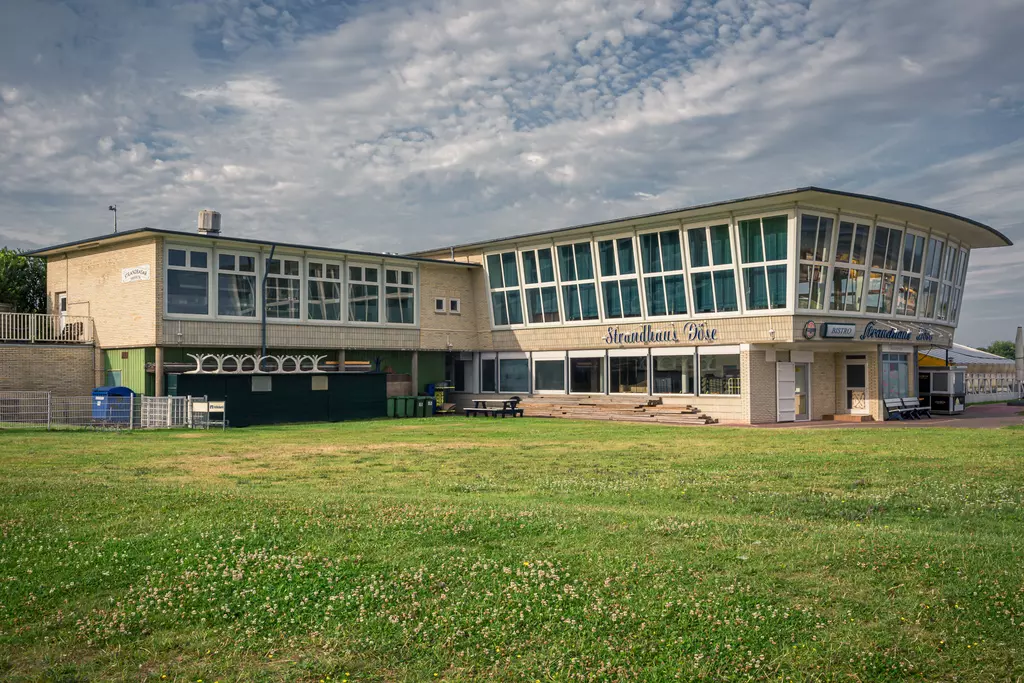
(673, 374)
(514, 375)
(549, 375)
(488, 375)
(720, 374)
(628, 375)
(586, 375)
(895, 375)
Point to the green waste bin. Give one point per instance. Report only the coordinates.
(410, 406)
(421, 406)
(400, 406)
(428, 409)
(391, 406)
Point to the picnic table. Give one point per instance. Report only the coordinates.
(495, 407)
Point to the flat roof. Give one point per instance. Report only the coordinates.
(978, 235)
(128, 235)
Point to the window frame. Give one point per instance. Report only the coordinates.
(342, 290)
(618, 278)
(256, 274)
(264, 284)
(210, 280)
(684, 271)
(563, 283)
(712, 268)
(540, 285)
(414, 287)
(881, 270)
(789, 262)
(504, 289)
(455, 306)
(862, 268)
(826, 266)
(905, 274)
(363, 265)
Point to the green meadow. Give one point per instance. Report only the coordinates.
(512, 550)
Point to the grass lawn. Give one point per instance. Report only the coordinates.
(536, 550)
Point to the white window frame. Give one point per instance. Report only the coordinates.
(928, 277)
(542, 356)
(515, 355)
(256, 274)
(540, 284)
(618, 278)
(947, 282)
(958, 290)
(282, 276)
(440, 305)
(862, 268)
(504, 289)
(342, 290)
(824, 267)
(905, 274)
(481, 357)
(210, 280)
(563, 283)
(712, 268)
(349, 282)
(790, 262)
(725, 350)
(663, 273)
(881, 270)
(455, 306)
(678, 351)
(382, 312)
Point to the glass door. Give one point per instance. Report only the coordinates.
(586, 375)
(856, 385)
(802, 390)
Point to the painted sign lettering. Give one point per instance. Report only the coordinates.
(839, 330)
(136, 274)
(873, 332)
(691, 332)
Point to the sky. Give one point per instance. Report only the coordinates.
(397, 126)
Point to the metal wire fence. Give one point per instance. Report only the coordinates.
(42, 409)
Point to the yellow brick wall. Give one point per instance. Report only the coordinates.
(457, 331)
(124, 314)
(64, 370)
(823, 385)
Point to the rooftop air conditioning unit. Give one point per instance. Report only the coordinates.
(209, 222)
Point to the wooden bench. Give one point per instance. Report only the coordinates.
(917, 411)
(509, 408)
(894, 409)
(473, 412)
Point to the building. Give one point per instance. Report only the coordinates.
(796, 305)
(988, 377)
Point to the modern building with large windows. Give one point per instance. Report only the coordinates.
(796, 305)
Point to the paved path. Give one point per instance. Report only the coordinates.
(975, 417)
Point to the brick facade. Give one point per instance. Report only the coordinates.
(64, 370)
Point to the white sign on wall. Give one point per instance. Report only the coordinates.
(135, 274)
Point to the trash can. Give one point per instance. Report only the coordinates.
(391, 406)
(410, 406)
(421, 406)
(401, 404)
(112, 404)
(430, 406)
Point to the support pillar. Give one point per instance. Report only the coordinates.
(415, 372)
(158, 371)
(339, 356)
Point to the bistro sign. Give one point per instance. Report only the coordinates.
(838, 330)
(691, 332)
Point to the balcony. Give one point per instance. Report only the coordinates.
(43, 328)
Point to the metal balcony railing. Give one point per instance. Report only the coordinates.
(45, 328)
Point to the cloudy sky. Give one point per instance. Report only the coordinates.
(403, 125)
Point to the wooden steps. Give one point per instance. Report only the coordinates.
(848, 418)
(614, 409)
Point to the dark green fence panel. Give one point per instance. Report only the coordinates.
(349, 396)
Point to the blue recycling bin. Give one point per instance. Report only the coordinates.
(112, 404)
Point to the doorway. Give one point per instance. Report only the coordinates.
(802, 391)
(855, 385)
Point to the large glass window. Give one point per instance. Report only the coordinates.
(363, 294)
(399, 296)
(815, 254)
(506, 302)
(720, 374)
(763, 241)
(951, 274)
(673, 374)
(513, 375)
(850, 272)
(323, 291)
(236, 285)
(664, 281)
(188, 281)
(576, 270)
(895, 375)
(586, 375)
(910, 280)
(618, 278)
(549, 375)
(541, 291)
(284, 281)
(712, 272)
(885, 260)
(628, 374)
(932, 275)
(958, 286)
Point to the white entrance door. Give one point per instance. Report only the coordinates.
(855, 388)
(785, 382)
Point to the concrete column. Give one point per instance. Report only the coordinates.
(415, 372)
(339, 356)
(158, 371)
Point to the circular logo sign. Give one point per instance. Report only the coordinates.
(810, 329)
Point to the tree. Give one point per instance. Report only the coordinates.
(22, 281)
(1006, 349)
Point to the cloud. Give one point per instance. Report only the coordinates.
(397, 126)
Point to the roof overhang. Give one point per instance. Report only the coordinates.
(972, 233)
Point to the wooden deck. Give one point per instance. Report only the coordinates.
(614, 409)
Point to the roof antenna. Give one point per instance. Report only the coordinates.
(113, 207)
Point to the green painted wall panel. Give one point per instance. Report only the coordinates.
(132, 368)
